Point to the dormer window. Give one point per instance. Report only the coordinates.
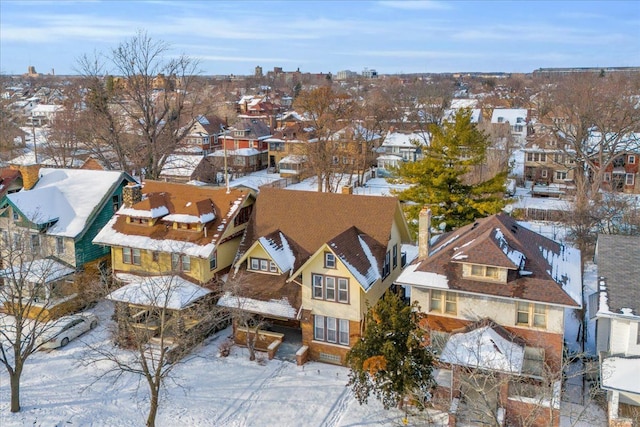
(485, 271)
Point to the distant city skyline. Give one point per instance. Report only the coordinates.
(391, 37)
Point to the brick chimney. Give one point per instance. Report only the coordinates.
(131, 194)
(30, 174)
(424, 232)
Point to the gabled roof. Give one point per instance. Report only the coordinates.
(312, 219)
(256, 129)
(362, 255)
(403, 140)
(286, 253)
(9, 179)
(547, 271)
(181, 165)
(213, 207)
(618, 259)
(68, 198)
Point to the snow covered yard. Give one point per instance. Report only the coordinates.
(208, 390)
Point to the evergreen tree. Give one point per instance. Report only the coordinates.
(449, 178)
(390, 361)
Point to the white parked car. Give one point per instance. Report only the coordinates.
(66, 328)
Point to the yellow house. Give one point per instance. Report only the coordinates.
(176, 228)
(315, 261)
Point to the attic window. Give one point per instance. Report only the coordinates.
(500, 119)
(485, 271)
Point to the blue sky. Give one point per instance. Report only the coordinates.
(329, 36)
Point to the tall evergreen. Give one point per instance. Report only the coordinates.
(390, 361)
(442, 179)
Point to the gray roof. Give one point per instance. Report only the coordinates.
(618, 259)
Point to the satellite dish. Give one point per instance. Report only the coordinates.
(442, 226)
(508, 209)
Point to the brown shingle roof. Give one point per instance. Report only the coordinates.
(189, 200)
(483, 238)
(312, 218)
(348, 248)
(7, 178)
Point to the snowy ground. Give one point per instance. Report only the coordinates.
(208, 390)
(214, 391)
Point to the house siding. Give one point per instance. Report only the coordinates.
(501, 311)
(619, 338)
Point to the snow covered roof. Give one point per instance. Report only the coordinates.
(511, 115)
(548, 272)
(45, 109)
(404, 140)
(484, 348)
(621, 373)
(67, 196)
(293, 159)
(212, 207)
(360, 254)
(274, 307)
(449, 114)
(239, 152)
(180, 165)
(44, 270)
(172, 292)
(277, 246)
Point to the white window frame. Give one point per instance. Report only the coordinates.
(329, 288)
(632, 159)
(343, 289)
(318, 328)
(343, 332)
(629, 179)
(329, 260)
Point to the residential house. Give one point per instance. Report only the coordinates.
(356, 148)
(623, 174)
(43, 114)
(244, 146)
(169, 243)
(548, 165)
(618, 325)
(314, 262)
(495, 296)
(287, 149)
(399, 147)
(203, 135)
(517, 119)
(57, 219)
(190, 167)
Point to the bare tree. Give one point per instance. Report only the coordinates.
(158, 322)
(27, 295)
(62, 136)
(328, 112)
(152, 98)
(595, 118)
(10, 123)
